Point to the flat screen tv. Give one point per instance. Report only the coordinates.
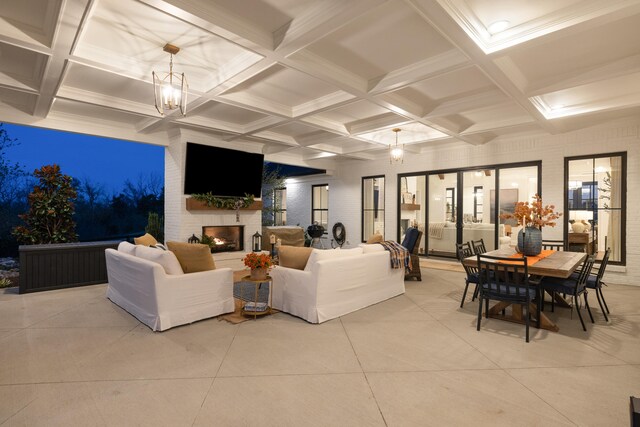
(222, 171)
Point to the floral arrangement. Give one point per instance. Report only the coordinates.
(533, 214)
(257, 260)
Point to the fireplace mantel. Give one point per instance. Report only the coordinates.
(196, 205)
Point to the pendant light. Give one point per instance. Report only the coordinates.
(171, 90)
(396, 152)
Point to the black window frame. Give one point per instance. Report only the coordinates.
(380, 208)
(314, 210)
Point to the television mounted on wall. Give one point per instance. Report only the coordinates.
(222, 172)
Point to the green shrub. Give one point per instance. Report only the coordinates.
(155, 226)
(50, 215)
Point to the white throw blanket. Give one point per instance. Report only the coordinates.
(435, 229)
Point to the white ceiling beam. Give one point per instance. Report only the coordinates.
(217, 20)
(329, 101)
(381, 121)
(320, 19)
(446, 62)
(328, 125)
(468, 103)
(73, 15)
(600, 72)
(442, 21)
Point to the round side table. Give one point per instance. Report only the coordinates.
(252, 307)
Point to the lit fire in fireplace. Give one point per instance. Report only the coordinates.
(225, 238)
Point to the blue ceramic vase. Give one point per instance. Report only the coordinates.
(530, 242)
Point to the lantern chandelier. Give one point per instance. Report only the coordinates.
(396, 152)
(171, 90)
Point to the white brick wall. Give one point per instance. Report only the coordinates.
(180, 223)
(345, 183)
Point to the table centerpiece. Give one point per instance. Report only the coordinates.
(532, 216)
(259, 263)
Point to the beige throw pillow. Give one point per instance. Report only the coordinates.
(375, 238)
(193, 257)
(146, 240)
(294, 256)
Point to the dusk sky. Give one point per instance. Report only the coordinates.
(104, 161)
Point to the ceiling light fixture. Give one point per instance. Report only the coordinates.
(396, 153)
(498, 26)
(171, 90)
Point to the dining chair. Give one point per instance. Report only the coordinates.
(594, 281)
(556, 245)
(574, 286)
(411, 242)
(463, 250)
(506, 279)
(478, 246)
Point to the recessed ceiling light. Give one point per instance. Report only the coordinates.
(498, 26)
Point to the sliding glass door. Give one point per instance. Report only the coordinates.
(478, 186)
(517, 184)
(442, 232)
(465, 205)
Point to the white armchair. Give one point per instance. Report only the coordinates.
(162, 301)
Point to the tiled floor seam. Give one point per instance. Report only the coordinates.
(60, 312)
(364, 374)
(505, 370)
(550, 404)
(213, 380)
(17, 412)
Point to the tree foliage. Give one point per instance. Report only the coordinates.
(13, 194)
(11, 173)
(155, 226)
(51, 208)
(99, 214)
(272, 180)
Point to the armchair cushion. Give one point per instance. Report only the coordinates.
(321, 255)
(166, 259)
(127, 248)
(294, 256)
(193, 257)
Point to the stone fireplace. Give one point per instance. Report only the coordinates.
(227, 238)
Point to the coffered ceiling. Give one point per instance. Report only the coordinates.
(322, 79)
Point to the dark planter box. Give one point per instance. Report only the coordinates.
(62, 265)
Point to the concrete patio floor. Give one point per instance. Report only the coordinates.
(73, 358)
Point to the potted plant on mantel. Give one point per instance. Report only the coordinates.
(532, 216)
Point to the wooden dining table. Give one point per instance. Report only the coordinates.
(559, 264)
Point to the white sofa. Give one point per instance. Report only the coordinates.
(336, 282)
(160, 300)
